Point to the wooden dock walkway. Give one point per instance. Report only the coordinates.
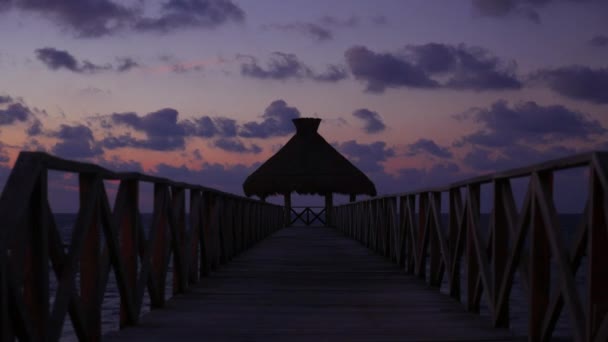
(311, 284)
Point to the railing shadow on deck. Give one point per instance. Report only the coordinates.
(408, 229)
(105, 240)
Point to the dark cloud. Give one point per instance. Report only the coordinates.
(97, 18)
(56, 59)
(467, 67)
(456, 67)
(367, 157)
(384, 70)
(528, 122)
(5, 99)
(334, 73)
(236, 146)
(527, 9)
(15, 112)
(373, 121)
(126, 64)
(75, 142)
(313, 30)
(284, 66)
(208, 127)
(599, 41)
(163, 131)
(86, 18)
(428, 147)
(184, 14)
(277, 121)
(576, 82)
(35, 129)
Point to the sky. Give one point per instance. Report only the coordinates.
(415, 93)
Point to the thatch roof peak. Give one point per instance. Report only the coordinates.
(307, 164)
(306, 125)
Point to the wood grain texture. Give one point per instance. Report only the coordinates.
(311, 284)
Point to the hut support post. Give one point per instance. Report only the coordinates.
(352, 198)
(287, 209)
(329, 206)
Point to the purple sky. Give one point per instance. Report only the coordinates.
(415, 93)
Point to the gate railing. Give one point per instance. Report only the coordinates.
(308, 215)
(104, 240)
(408, 228)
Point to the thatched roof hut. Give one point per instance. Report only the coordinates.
(307, 164)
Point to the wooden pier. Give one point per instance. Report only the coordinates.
(311, 284)
(238, 274)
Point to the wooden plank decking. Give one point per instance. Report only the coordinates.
(311, 284)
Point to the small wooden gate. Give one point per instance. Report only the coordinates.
(308, 215)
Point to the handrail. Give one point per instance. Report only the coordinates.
(408, 229)
(108, 240)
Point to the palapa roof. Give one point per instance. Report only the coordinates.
(307, 164)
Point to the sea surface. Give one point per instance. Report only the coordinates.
(518, 302)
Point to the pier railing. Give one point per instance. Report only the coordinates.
(408, 228)
(214, 228)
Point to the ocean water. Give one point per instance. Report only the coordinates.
(518, 300)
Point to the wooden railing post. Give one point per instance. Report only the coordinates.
(127, 206)
(472, 261)
(90, 258)
(36, 259)
(500, 236)
(178, 234)
(540, 264)
(160, 255)
(597, 278)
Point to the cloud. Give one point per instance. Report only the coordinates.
(429, 147)
(599, 40)
(15, 112)
(56, 59)
(5, 99)
(98, 18)
(236, 146)
(277, 121)
(184, 14)
(284, 66)
(527, 9)
(35, 129)
(322, 29)
(207, 127)
(86, 18)
(163, 131)
(313, 30)
(75, 142)
(367, 157)
(576, 82)
(126, 64)
(384, 70)
(468, 67)
(373, 121)
(528, 122)
(458, 67)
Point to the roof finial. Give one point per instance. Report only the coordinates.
(306, 125)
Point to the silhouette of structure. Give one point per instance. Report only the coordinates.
(308, 165)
